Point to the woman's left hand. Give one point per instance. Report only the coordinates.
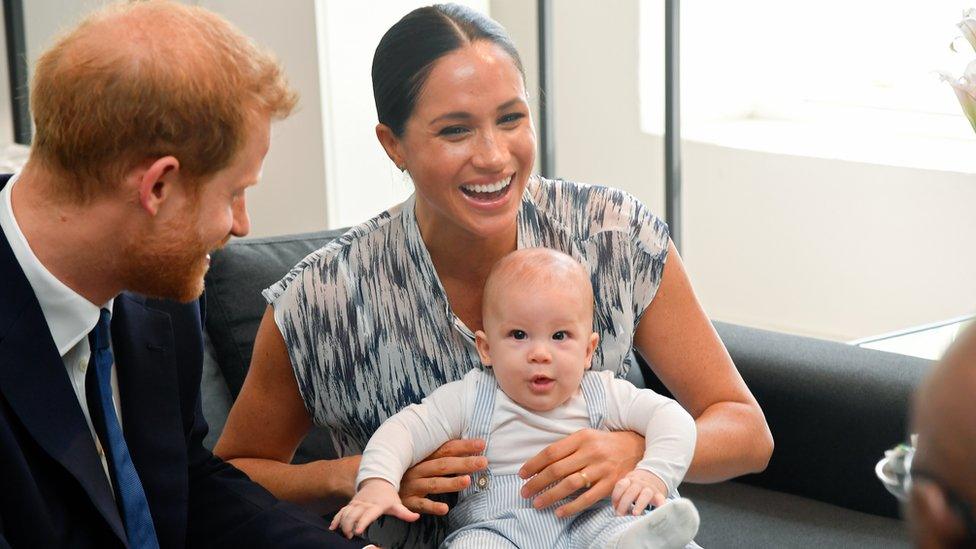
(587, 459)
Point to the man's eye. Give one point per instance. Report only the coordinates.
(517, 334)
(560, 335)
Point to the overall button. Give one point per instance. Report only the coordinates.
(483, 482)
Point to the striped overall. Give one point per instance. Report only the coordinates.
(490, 513)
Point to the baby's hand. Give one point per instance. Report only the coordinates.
(375, 497)
(640, 488)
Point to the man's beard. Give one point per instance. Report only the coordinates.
(168, 264)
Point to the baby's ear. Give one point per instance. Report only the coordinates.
(481, 342)
(594, 341)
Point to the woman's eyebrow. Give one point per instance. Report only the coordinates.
(456, 115)
(463, 115)
(510, 103)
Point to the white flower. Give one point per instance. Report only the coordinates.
(968, 26)
(965, 88)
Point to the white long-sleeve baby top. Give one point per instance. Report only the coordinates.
(517, 434)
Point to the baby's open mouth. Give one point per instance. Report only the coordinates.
(541, 383)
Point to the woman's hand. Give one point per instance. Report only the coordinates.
(638, 488)
(375, 497)
(446, 470)
(587, 459)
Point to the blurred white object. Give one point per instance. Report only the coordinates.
(895, 469)
(13, 157)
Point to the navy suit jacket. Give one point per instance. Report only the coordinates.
(53, 489)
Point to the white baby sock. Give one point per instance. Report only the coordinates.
(670, 526)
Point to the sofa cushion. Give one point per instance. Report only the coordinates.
(737, 515)
(238, 273)
(833, 410)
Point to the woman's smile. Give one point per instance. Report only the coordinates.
(488, 196)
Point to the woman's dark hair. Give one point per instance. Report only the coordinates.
(407, 52)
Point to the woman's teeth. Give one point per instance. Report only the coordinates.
(493, 187)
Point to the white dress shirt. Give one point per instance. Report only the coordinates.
(69, 316)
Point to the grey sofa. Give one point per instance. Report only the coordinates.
(833, 410)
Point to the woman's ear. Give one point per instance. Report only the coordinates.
(481, 342)
(590, 349)
(391, 144)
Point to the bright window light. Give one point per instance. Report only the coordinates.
(858, 74)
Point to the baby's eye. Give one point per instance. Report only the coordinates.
(560, 335)
(517, 334)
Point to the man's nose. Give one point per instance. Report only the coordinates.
(242, 222)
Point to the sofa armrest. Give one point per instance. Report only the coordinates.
(833, 410)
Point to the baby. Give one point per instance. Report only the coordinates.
(537, 346)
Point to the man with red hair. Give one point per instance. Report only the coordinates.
(152, 120)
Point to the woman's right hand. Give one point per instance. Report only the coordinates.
(447, 470)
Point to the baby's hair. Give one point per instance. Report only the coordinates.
(536, 267)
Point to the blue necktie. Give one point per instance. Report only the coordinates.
(130, 496)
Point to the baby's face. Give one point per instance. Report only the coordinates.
(538, 341)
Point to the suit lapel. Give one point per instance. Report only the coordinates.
(35, 384)
(144, 349)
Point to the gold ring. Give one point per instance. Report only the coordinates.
(585, 479)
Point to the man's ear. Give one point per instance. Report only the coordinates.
(155, 183)
(481, 342)
(590, 349)
(933, 522)
(391, 144)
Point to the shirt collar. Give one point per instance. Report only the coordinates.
(69, 316)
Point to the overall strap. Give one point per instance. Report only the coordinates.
(595, 395)
(480, 427)
(484, 406)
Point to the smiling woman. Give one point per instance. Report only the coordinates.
(379, 318)
(469, 146)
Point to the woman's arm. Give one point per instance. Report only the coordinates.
(678, 340)
(269, 420)
(266, 425)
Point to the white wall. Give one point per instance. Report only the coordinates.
(362, 181)
(822, 247)
(292, 196)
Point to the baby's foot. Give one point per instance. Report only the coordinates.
(670, 526)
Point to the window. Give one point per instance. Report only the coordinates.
(851, 80)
